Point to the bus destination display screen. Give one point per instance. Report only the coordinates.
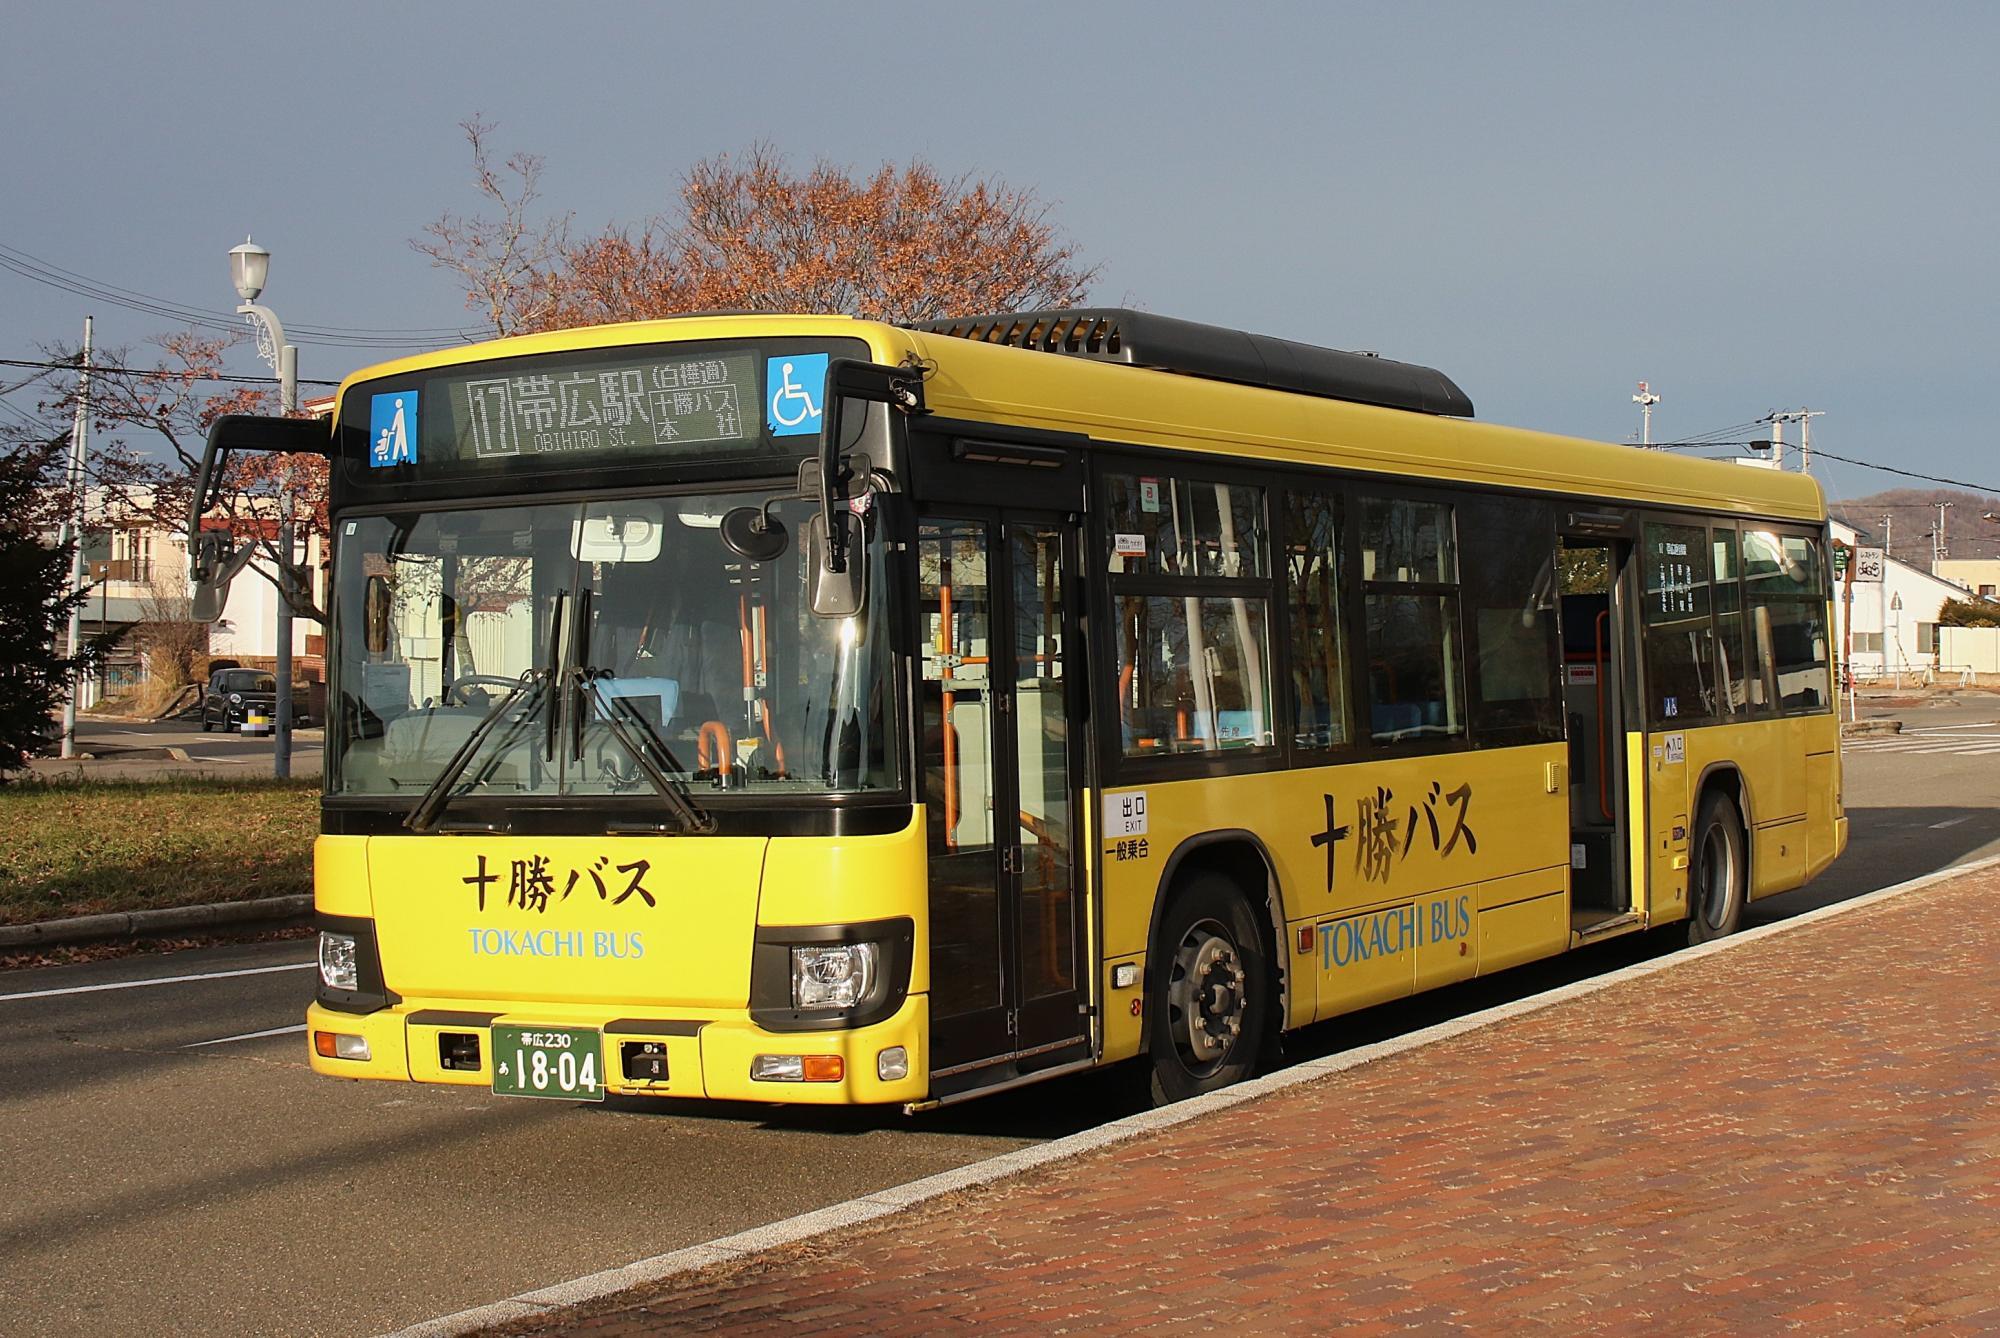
(642, 404)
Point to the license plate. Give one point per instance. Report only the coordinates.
(562, 1062)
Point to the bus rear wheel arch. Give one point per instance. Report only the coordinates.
(1210, 1004)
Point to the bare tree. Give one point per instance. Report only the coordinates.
(173, 643)
(499, 259)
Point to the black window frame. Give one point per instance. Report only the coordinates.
(1121, 767)
(1280, 479)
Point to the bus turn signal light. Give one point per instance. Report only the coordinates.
(797, 1068)
(335, 1045)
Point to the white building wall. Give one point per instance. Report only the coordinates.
(1889, 639)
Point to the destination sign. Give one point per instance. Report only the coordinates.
(577, 411)
(640, 404)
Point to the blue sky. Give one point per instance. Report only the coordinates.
(1752, 206)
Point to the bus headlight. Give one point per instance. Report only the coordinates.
(833, 976)
(339, 962)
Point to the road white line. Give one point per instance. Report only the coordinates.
(1950, 822)
(159, 980)
(246, 1036)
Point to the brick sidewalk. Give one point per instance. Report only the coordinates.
(1802, 1132)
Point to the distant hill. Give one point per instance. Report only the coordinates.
(1913, 511)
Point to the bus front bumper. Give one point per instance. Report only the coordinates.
(708, 1056)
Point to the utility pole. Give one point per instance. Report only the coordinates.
(1940, 550)
(1805, 417)
(281, 742)
(1645, 399)
(79, 442)
(1882, 590)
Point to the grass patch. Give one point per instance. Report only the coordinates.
(83, 847)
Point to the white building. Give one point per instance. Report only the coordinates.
(1894, 619)
(136, 572)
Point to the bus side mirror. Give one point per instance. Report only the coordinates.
(212, 560)
(842, 593)
(836, 531)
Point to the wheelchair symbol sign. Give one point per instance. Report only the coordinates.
(793, 387)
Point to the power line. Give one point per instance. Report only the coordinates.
(1985, 488)
(26, 266)
(97, 370)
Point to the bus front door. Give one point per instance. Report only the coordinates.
(1001, 766)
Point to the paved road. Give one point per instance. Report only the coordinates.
(133, 748)
(163, 1167)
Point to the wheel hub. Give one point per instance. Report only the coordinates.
(1208, 995)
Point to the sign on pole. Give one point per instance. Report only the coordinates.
(1868, 565)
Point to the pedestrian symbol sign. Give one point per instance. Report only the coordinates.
(793, 388)
(392, 429)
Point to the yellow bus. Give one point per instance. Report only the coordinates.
(772, 708)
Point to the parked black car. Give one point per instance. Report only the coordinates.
(233, 693)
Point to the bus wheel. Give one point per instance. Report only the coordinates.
(1720, 885)
(1210, 994)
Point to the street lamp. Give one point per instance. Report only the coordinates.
(249, 267)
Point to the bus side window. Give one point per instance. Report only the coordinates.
(1312, 591)
(1515, 657)
(1680, 642)
(1409, 584)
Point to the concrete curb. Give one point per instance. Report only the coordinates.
(153, 924)
(1857, 728)
(792, 1230)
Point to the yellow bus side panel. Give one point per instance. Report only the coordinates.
(340, 876)
(1790, 773)
(820, 880)
(1372, 845)
(1521, 932)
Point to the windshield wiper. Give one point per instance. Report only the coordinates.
(534, 683)
(637, 736)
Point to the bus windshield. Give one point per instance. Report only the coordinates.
(634, 606)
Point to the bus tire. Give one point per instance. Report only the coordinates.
(1209, 1003)
(1720, 884)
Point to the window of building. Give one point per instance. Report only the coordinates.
(1867, 643)
(1409, 584)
